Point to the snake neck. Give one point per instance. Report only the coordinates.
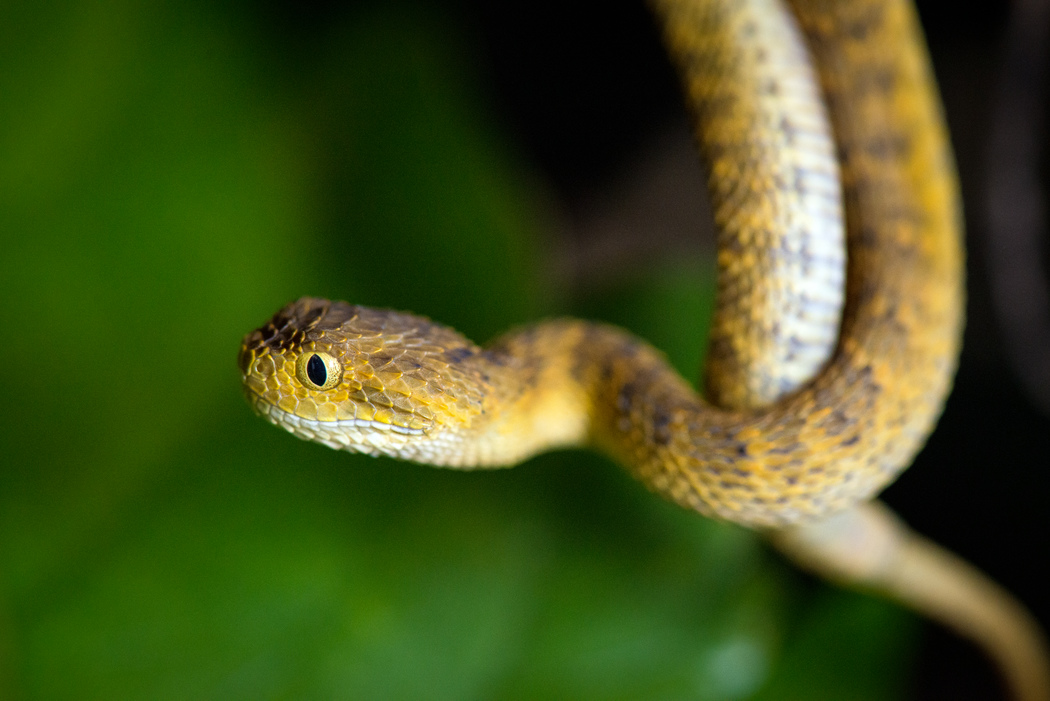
(569, 383)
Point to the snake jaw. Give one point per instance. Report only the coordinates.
(355, 435)
(371, 381)
(348, 416)
(368, 436)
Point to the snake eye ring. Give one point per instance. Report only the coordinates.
(318, 370)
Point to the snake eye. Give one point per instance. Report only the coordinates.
(318, 370)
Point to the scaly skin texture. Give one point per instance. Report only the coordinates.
(837, 441)
(383, 382)
(867, 546)
(776, 194)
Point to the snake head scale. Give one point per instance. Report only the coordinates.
(371, 381)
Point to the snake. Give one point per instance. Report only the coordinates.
(840, 305)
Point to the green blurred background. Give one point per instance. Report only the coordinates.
(170, 174)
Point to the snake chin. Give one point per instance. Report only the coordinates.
(355, 435)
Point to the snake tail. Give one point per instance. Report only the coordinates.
(870, 548)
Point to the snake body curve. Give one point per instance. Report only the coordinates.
(760, 452)
(419, 391)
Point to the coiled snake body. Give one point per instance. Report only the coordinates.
(771, 448)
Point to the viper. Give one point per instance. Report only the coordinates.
(839, 314)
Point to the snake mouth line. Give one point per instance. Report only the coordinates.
(280, 417)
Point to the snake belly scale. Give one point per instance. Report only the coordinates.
(805, 417)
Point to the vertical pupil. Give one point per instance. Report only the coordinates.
(316, 370)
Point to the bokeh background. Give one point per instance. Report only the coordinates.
(171, 173)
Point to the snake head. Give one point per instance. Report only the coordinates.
(360, 379)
